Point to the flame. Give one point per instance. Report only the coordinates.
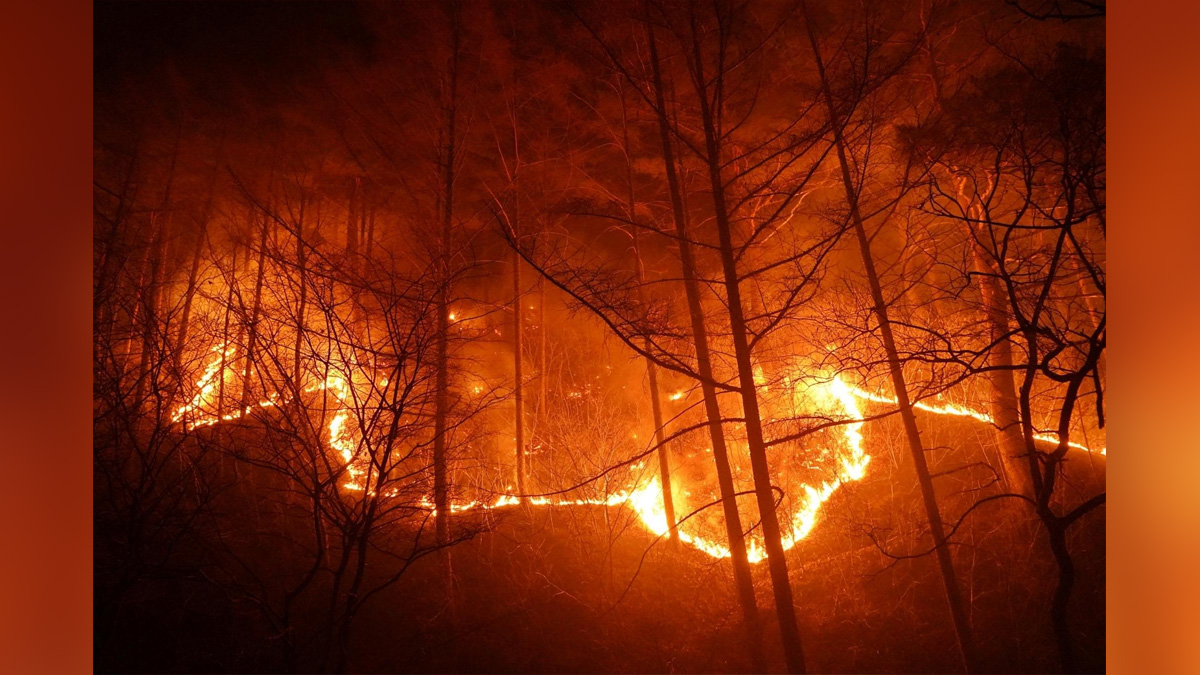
(834, 397)
(853, 462)
(647, 502)
(208, 383)
(963, 411)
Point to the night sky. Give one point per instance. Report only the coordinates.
(211, 43)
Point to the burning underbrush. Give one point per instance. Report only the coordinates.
(588, 586)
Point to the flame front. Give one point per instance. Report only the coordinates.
(963, 411)
(834, 398)
(647, 502)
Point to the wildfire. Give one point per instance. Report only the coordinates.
(962, 411)
(208, 383)
(834, 397)
(647, 502)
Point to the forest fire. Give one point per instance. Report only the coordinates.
(646, 499)
(963, 411)
(604, 336)
(841, 400)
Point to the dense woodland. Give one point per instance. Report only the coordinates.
(644, 336)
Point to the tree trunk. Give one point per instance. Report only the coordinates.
(255, 312)
(302, 280)
(1062, 596)
(541, 416)
(190, 292)
(225, 333)
(352, 220)
(150, 300)
(135, 312)
(107, 283)
(364, 209)
(733, 523)
(370, 244)
(772, 538)
(1043, 471)
(188, 295)
(664, 457)
(958, 613)
(518, 375)
(442, 384)
(1004, 394)
(150, 295)
(1003, 402)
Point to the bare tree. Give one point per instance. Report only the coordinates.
(1034, 136)
(958, 613)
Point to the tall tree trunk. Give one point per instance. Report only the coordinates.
(1003, 401)
(189, 294)
(225, 331)
(150, 295)
(352, 224)
(958, 612)
(518, 374)
(194, 272)
(772, 537)
(370, 244)
(364, 208)
(135, 312)
(664, 457)
(1057, 533)
(541, 355)
(255, 312)
(442, 384)
(149, 298)
(742, 578)
(110, 263)
(153, 292)
(302, 280)
(1043, 470)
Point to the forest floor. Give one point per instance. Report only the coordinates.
(538, 594)
(585, 589)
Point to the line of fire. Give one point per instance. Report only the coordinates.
(583, 336)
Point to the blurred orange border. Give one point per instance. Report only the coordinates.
(45, 311)
(45, 204)
(1154, 365)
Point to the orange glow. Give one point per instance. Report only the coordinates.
(963, 411)
(834, 398)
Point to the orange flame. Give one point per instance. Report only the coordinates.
(835, 397)
(963, 411)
